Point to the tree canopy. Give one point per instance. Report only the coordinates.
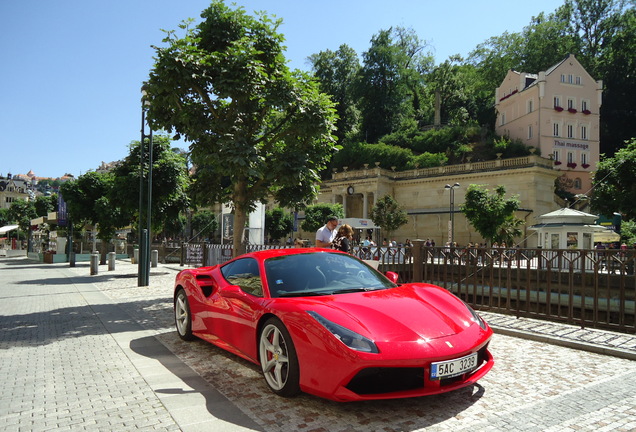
(388, 214)
(257, 130)
(613, 183)
(492, 215)
(316, 215)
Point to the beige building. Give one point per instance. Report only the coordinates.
(13, 189)
(422, 193)
(557, 112)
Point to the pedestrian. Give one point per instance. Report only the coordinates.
(342, 242)
(326, 234)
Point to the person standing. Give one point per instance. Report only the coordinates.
(326, 234)
(342, 242)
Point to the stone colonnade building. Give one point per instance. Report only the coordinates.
(422, 193)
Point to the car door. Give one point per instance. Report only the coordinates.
(235, 309)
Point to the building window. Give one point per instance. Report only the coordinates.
(585, 104)
(571, 103)
(557, 101)
(530, 132)
(557, 155)
(584, 159)
(579, 81)
(570, 157)
(555, 129)
(563, 78)
(577, 183)
(584, 132)
(570, 131)
(530, 106)
(570, 79)
(502, 119)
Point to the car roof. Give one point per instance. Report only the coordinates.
(272, 253)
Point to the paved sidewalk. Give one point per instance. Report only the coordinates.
(71, 358)
(81, 352)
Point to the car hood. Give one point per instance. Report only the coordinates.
(405, 313)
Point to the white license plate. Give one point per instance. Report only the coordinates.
(451, 368)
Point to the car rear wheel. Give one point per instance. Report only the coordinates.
(278, 359)
(182, 317)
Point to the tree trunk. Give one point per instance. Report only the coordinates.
(240, 218)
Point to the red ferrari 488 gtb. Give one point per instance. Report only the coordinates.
(326, 323)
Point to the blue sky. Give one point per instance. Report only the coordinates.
(71, 70)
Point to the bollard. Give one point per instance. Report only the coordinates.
(111, 261)
(135, 258)
(94, 263)
(154, 258)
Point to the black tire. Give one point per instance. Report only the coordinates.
(278, 359)
(182, 316)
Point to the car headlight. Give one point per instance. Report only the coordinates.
(476, 318)
(350, 338)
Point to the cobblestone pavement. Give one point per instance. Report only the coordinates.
(539, 383)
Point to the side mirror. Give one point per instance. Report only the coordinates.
(392, 276)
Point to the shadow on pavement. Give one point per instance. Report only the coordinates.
(216, 404)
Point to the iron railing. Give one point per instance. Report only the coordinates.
(589, 288)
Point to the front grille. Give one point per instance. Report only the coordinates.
(386, 380)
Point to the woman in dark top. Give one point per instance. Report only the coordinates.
(343, 239)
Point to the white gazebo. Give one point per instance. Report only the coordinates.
(567, 228)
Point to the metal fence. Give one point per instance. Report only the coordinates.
(589, 288)
(584, 287)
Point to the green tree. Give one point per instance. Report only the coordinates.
(386, 83)
(4, 217)
(278, 223)
(613, 183)
(170, 183)
(492, 215)
(45, 204)
(388, 214)
(87, 200)
(257, 130)
(205, 224)
(316, 215)
(21, 212)
(617, 68)
(628, 232)
(336, 71)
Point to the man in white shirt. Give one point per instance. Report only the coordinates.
(326, 234)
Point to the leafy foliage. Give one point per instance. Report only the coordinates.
(170, 183)
(613, 183)
(21, 212)
(316, 215)
(278, 223)
(87, 201)
(492, 215)
(388, 214)
(205, 224)
(257, 130)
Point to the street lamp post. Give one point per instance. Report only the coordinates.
(143, 272)
(451, 232)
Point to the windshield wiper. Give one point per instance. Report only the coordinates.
(302, 294)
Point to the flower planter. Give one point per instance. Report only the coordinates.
(586, 112)
(558, 108)
(572, 110)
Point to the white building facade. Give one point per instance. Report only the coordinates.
(557, 112)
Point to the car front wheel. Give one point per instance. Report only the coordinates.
(278, 359)
(182, 317)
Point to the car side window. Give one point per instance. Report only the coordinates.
(244, 273)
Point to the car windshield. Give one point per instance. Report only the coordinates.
(321, 273)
